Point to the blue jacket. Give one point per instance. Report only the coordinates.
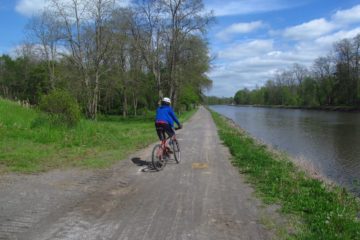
(166, 114)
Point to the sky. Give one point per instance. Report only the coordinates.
(250, 41)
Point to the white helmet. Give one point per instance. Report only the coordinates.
(167, 100)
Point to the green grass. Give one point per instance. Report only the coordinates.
(325, 212)
(29, 143)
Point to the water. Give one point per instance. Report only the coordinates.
(329, 140)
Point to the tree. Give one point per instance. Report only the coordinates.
(194, 62)
(45, 32)
(147, 28)
(345, 83)
(324, 70)
(356, 46)
(112, 59)
(309, 89)
(242, 97)
(333, 80)
(184, 18)
(7, 76)
(88, 36)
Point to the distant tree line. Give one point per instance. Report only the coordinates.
(213, 100)
(331, 81)
(114, 60)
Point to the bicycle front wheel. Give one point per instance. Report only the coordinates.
(176, 150)
(158, 160)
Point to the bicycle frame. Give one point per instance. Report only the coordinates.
(162, 152)
(163, 149)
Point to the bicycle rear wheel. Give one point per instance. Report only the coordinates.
(176, 150)
(158, 160)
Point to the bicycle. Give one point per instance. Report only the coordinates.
(161, 154)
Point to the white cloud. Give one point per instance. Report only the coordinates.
(351, 15)
(30, 7)
(239, 28)
(228, 8)
(228, 78)
(252, 63)
(247, 49)
(320, 27)
(123, 3)
(310, 30)
(328, 40)
(249, 64)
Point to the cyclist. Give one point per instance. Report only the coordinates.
(165, 118)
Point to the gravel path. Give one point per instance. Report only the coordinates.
(204, 197)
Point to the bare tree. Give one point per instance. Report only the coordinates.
(28, 50)
(45, 31)
(185, 17)
(344, 58)
(86, 28)
(300, 72)
(323, 67)
(356, 46)
(147, 28)
(343, 50)
(323, 71)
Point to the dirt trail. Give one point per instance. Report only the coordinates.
(202, 198)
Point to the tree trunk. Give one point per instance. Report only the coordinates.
(52, 68)
(172, 79)
(135, 103)
(92, 96)
(96, 96)
(125, 104)
(356, 75)
(157, 74)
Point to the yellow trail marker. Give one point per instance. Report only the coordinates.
(200, 165)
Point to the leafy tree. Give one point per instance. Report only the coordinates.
(309, 88)
(62, 108)
(242, 97)
(112, 59)
(331, 81)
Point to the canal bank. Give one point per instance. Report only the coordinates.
(324, 212)
(327, 141)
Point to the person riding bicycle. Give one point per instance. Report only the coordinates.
(165, 118)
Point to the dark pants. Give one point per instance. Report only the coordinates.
(162, 128)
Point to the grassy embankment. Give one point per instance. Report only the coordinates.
(29, 144)
(323, 212)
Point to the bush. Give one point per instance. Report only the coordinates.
(62, 107)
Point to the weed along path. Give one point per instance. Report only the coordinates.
(203, 197)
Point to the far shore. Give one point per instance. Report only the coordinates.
(320, 108)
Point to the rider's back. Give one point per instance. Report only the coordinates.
(165, 113)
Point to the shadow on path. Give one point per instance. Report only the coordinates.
(147, 165)
(139, 162)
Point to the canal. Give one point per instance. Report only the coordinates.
(330, 141)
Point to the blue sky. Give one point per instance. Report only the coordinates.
(11, 26)
(250, 46)
(251, 40)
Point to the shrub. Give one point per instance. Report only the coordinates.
(62, 107)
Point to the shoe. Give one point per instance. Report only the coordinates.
(168, 150)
